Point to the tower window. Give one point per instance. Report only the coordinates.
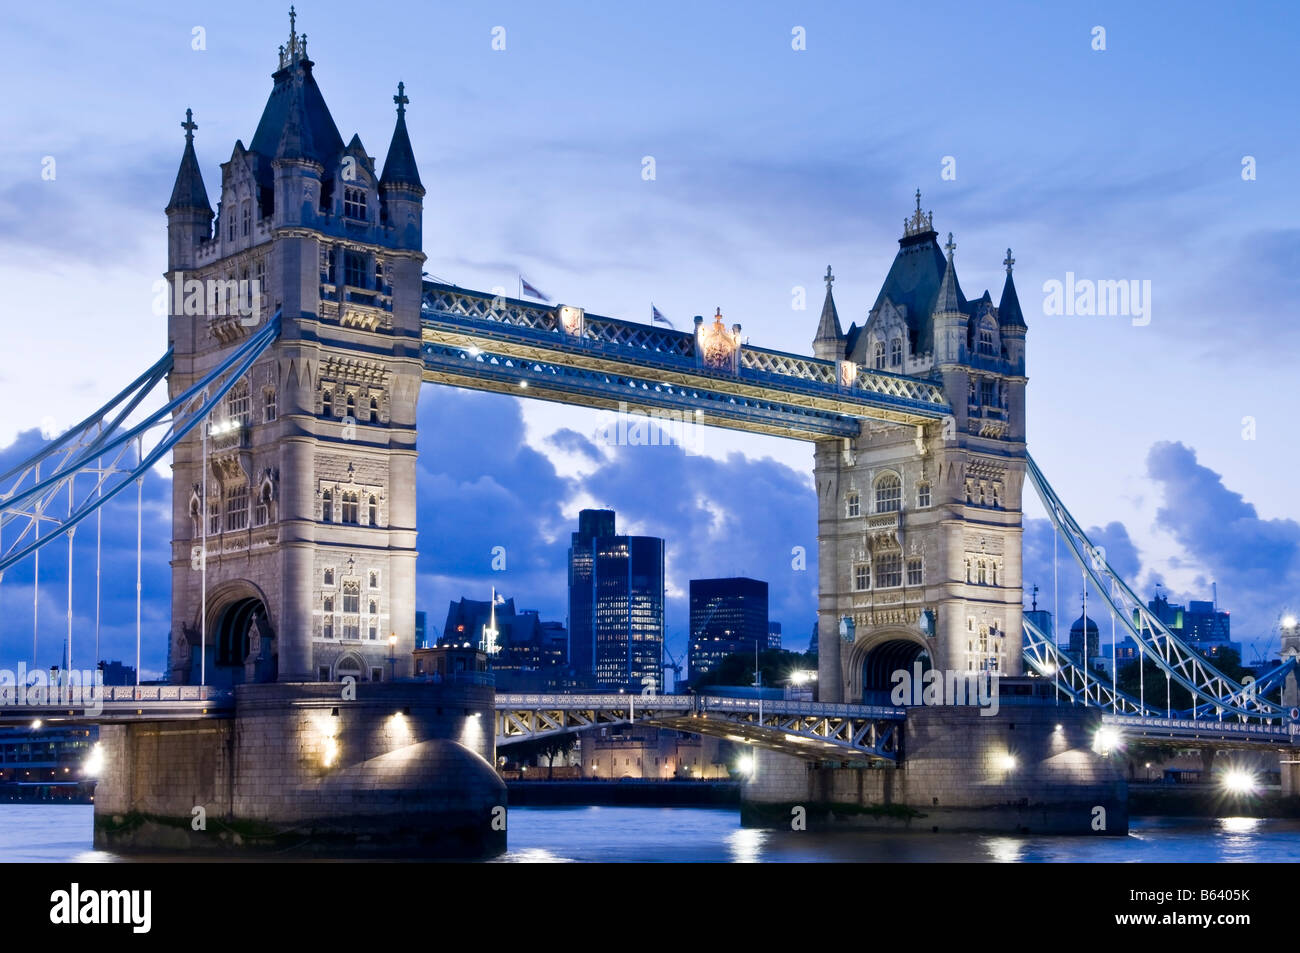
(983, 573)
(263, 511)
(351, 406)
(327, 626)
(355, 272)
(889, 571)
(988, 393)
(986, 344)
(237, 507)
(238, 404)
(327, 516)
(914, 571)
(327, 404)
(896, 352)
(889, 494)
(246, 219)
(923, 495)
(268, 405)
(372, 518)
(351, 597)
(878, 356)
(860, 578)
(354, 204)
(214, 517)
(374, 409)
(854, 504)
(328, 577)
(349, 509)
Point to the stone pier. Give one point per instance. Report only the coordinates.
(1013, 772)
(405, 769)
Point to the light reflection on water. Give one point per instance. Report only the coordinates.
(62, 832)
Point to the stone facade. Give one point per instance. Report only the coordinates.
(401, 769)
(919, 529)
(961, 771)
(305, 527)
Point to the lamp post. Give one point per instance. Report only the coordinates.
(392, 656)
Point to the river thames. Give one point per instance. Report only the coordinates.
(37, 832)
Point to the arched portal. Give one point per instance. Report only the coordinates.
(884, 659)
(242, 643)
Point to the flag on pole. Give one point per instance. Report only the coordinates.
(657, 316)
(529, 290)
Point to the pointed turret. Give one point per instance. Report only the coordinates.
(188, 192)
(948, 301)
(189, 213)
(1009, 313)
(296, 139)
(400, 188)
(828, 345)
(399, 166)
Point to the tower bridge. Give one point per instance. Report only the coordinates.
(291, 433)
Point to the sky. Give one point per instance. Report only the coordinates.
(1169, 437)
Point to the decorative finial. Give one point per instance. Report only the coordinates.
(189, 125)
(1008, 261)
(951, 246)
(829, 278)
(295, 50)
(918, 223)
(401, 99)
(293, 18)
(303, 46)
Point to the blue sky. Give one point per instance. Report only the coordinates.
(770, 163)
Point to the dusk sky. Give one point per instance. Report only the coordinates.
(1171, 437)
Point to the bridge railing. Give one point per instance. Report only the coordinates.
(1199, 725)
(168, 693)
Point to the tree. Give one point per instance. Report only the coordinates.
(1152, 679)
(774, 664)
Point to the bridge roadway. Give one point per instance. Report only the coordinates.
(811, 730)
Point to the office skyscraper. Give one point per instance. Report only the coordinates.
(727, 616)
(616, 604)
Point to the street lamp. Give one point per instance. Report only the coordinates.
(392, 656)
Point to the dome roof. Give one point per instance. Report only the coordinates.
(1078, 625)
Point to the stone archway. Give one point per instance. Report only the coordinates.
(241, 644)
(873, 662)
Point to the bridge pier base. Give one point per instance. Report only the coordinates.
(404, 769)
(1013, 772)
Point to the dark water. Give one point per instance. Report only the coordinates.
(37, 832)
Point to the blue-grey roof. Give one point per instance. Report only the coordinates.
(399, 167)
(1009, 313)
(317, 138)
(914, 281)
(188, 192)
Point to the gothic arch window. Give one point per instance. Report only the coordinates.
(195, 517)
(354, 204)
(997, 494)
(889, 571)
(351, 406)
(374, 579)
(263, 514)
(853, 503)
(922, 495)
(237, 507)
(896, 353)
(372, 511)
(327, 513)
(970, 575)
(268, 405)
(238, 404)
(987, 344)
(373, 607)
(374, 409)
(878, 356)
(327, 577)
(915, 571)
(993, 571)
(230, 229)
(246, 219)
(350, 507)
(327, 404)
(889, 494)
(861, 577)
(327, 624)
(983, 570)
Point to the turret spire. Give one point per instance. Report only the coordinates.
(188, 192)
(399, 166)
(948, 301)
(829, 340)
(1009, 313)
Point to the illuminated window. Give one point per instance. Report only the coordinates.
(889, 494)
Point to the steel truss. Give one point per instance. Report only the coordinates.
(46, 496)
(1216, 694)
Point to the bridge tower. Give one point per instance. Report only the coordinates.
(919, 529)
(293, 559)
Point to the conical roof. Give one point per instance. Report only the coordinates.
(399, 166)
(188, 192)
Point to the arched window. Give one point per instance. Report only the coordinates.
(238, 404)
(896, 352)
(983, 573)
(374, 607)
(969, 575)
(878, 356)
(327, 507)
(922, 495)
(268, 405)
(327, 404)
(263, 514)
(986, 344)
(350, 508)
(889, 571)
(246, 219)
(853, 503)
(372, 511)
(374, 409)
(374, 579)
(327, 624)
(351, 406)
(993, 569)
(889, 494)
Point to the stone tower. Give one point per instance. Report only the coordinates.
(307, 513)
(919, 530)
